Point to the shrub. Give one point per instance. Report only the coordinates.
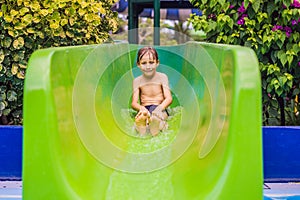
(271, 29)
(28, 25)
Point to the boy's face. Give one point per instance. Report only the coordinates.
(148, 64)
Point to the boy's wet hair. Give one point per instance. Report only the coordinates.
(145, 50)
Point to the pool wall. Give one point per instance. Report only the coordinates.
(280, 146)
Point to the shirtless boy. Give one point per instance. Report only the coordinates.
(151, 94)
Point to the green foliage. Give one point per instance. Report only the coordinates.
(28, 25)
(271, 29)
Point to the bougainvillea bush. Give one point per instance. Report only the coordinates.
(28, 25)
(271, 29)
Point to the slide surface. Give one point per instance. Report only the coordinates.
(79, 141)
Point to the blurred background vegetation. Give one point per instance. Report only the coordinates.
(28, 25)
(271, 29)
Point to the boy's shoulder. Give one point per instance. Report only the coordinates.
(138, 80)
(161, 74)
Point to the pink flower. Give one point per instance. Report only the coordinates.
(288, 31)
(294, 22)
(269, 95)
(296, 4)
(231, 6)
(241, 20)
(277, 27)
(241, 9)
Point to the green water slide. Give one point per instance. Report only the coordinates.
(79, 141)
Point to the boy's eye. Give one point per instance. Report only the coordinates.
(150, 62)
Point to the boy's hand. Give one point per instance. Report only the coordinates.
(141, 111)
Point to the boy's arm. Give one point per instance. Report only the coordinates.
(135, 97)
(166, 92)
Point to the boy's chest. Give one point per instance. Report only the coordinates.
(151, 89)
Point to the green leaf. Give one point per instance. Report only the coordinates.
(71, 21)
(279, 43)
(21, 75)
(279, 91)
(274, 103)
(296, 91)
(270, 88)
(54, 24)
(296, 48)
(274, 81)
(271, 7)
(8, 18)
(13, 13)
(55, 16)
(63, 22)
(2, 96)
(22, 66)
(14, 69)
(28, 18)
(11, 95)
(40, 34)
(221, 2)
(71, 11)
(256, 5)
(36, 18)
(6, 111)
(35, 6)
(273, 112)
(19, 2)
(246, 3)
(81, 12)
(290, 84)
(272, 69)
(290, 59)
(17, 113)
(69, 34)
(44, 12)
(2, 106)
(2, 56)
(4, 8)
(18, 43)
(89, 17)
(23, 11)
(18, 56)
(30, 30)
(282, 80)
(264, 49)
(62, 4)
(282, 57)
(19, 26)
